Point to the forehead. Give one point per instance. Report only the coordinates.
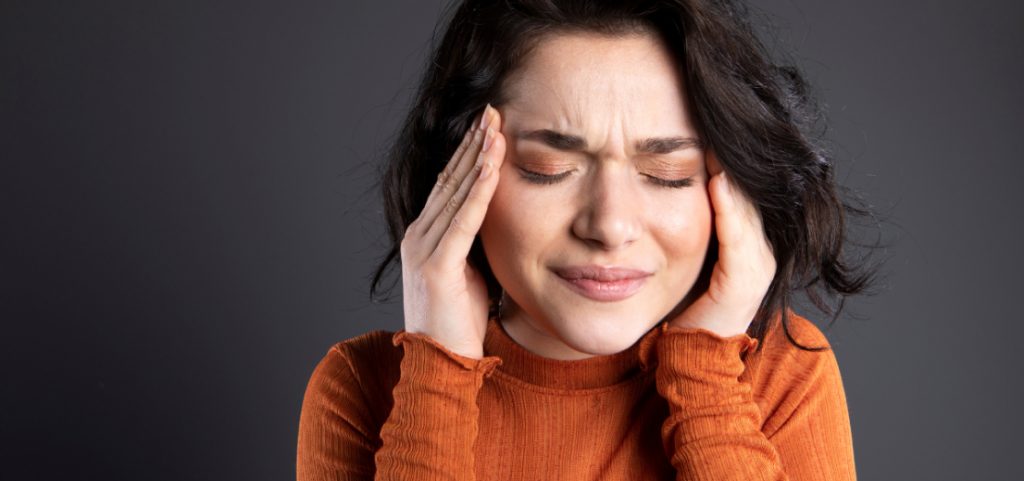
(578, 71)
(586, 67)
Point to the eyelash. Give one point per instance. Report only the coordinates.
(537, 178)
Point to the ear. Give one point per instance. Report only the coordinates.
(711, 162)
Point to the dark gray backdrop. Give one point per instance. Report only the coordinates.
(189, 221)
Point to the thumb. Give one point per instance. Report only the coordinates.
(726, 218)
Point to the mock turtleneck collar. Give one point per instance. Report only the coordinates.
(593, 372)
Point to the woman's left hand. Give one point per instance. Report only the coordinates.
(745, 267)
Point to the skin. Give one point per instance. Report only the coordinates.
(608, 210)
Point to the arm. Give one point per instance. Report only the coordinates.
(429, 433)
(713, 431)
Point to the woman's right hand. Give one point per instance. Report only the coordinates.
(444, 297)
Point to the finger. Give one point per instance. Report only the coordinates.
(451, 178)
(453, 161)
(444, 219)
(457, 241)
(728, 215)
(738, 224)
(450, 167)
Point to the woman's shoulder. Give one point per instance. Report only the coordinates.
(784, 376)
(362, 369)
(373, 357)
(779, 361)
(779, 339)
(368, 346)
(781, 358)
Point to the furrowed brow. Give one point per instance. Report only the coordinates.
(665, 145)
(556, 140)
(573, 143)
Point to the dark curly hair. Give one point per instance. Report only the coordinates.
(755, 114)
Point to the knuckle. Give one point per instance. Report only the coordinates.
(458, 225)
(447, 186)
(452, 205)
(410, 241)
(405, 249)
(441, 186)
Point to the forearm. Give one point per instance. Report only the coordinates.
(713, 429)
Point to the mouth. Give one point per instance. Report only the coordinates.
(603, 284)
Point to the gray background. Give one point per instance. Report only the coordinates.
(189, 221)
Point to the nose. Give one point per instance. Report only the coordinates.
(610, 213)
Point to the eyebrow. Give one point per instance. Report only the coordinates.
(573, 143)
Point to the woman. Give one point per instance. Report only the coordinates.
(597, 267)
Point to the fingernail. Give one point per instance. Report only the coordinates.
(488, 139)
(486, 120)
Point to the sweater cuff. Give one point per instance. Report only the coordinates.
(703, 348)
(422, 346)
(702, 365)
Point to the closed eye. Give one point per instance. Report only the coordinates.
(674, 183)
(538, 178)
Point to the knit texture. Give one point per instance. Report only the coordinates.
(683, 404)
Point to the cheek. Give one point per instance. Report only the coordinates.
(516, 223)
(686, 226)
(522, 211)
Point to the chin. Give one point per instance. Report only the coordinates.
(604, 334)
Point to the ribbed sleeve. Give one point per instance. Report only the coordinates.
(433, 425)
(713, 431)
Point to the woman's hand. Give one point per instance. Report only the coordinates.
(745, 267)
(443, 296)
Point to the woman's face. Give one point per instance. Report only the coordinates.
(580, 109)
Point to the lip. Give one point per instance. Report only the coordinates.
(606, 284)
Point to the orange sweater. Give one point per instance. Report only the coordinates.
(680, 404)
